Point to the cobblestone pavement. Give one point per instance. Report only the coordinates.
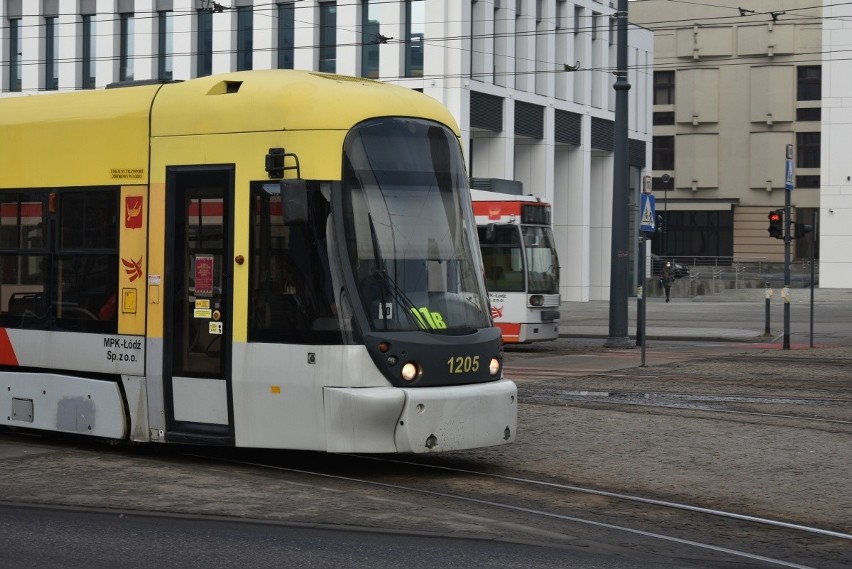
(770, 434)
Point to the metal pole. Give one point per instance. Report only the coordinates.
(619, 274)
(813, 262)
(768, 294)
(786, 294)
(642, 301)
(640, 290)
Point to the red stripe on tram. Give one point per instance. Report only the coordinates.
(7, 351)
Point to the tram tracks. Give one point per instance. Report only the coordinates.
(706, 536)
(806, 409)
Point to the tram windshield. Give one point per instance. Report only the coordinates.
(542, 266)
(409, 231)
(507, 263)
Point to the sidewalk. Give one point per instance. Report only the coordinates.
(730, 316)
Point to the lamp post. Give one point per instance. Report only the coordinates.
(619, 274)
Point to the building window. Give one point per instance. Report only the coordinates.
(809, 86)
(164, 47)
(204, 46)
(595, 20)
(807, 149)
(370, 39)
(415, 28)
(125, 52)
(809, 114)
(244, 37)
(328, 37)
(578, 16)
(88, 68)
(807, 181)
(694, 233)
(664, 118)
(51, 53)
(664, 87)
(561, 14)
(15, 50)
(286, 35)
(663, 153)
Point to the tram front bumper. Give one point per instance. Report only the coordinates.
(426, 419)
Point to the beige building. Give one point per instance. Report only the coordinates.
(735, 82)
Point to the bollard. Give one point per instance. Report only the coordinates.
(768, 290)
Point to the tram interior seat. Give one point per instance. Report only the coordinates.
(22, 302)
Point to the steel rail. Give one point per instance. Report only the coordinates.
(542, 513)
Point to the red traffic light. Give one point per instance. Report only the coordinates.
(776, 223)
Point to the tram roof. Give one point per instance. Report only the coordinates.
(244, 101)
(264, 100)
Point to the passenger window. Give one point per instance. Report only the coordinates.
(290, 289)
(59, 260)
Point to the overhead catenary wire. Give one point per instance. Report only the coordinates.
(541, 67)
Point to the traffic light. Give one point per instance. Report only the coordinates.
(776, 223)
(802, 230)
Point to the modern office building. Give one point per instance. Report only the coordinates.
(529, 81)
(735, 83)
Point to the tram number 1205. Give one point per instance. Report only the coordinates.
(463, 364)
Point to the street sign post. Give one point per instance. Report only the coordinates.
(647, 226)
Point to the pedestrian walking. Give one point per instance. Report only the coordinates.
(667, 279)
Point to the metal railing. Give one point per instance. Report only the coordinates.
(721, 272)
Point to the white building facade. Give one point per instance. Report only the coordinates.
(835, 269)
(529, 81)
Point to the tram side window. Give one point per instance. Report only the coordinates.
(59, 260)
(290, 290)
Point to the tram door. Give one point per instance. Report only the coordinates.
(197, 351)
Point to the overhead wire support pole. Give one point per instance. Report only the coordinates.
(788, 238)
(619, 274)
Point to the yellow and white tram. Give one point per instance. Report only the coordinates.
(274, 259)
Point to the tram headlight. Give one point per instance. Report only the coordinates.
(410, 371)
(494, 367)
(536, 300)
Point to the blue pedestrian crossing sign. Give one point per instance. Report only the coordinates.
(648, 215)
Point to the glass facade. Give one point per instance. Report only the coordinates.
(244, 37)
(204, 44)
(15, 52)
(415, 29)
(51, 53)
(371, 39)
(328, 37)
(286, 35)
(125, 55)
(165, 49)
(88, 55)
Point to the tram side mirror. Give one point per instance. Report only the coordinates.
(294, 202)
(490, 232)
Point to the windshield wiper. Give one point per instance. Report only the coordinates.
(389, 284)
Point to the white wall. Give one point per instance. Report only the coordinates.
(835, 268)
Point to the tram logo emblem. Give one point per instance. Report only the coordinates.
(132, 268)
(496, 311)
(494, 213)
(133, 212)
